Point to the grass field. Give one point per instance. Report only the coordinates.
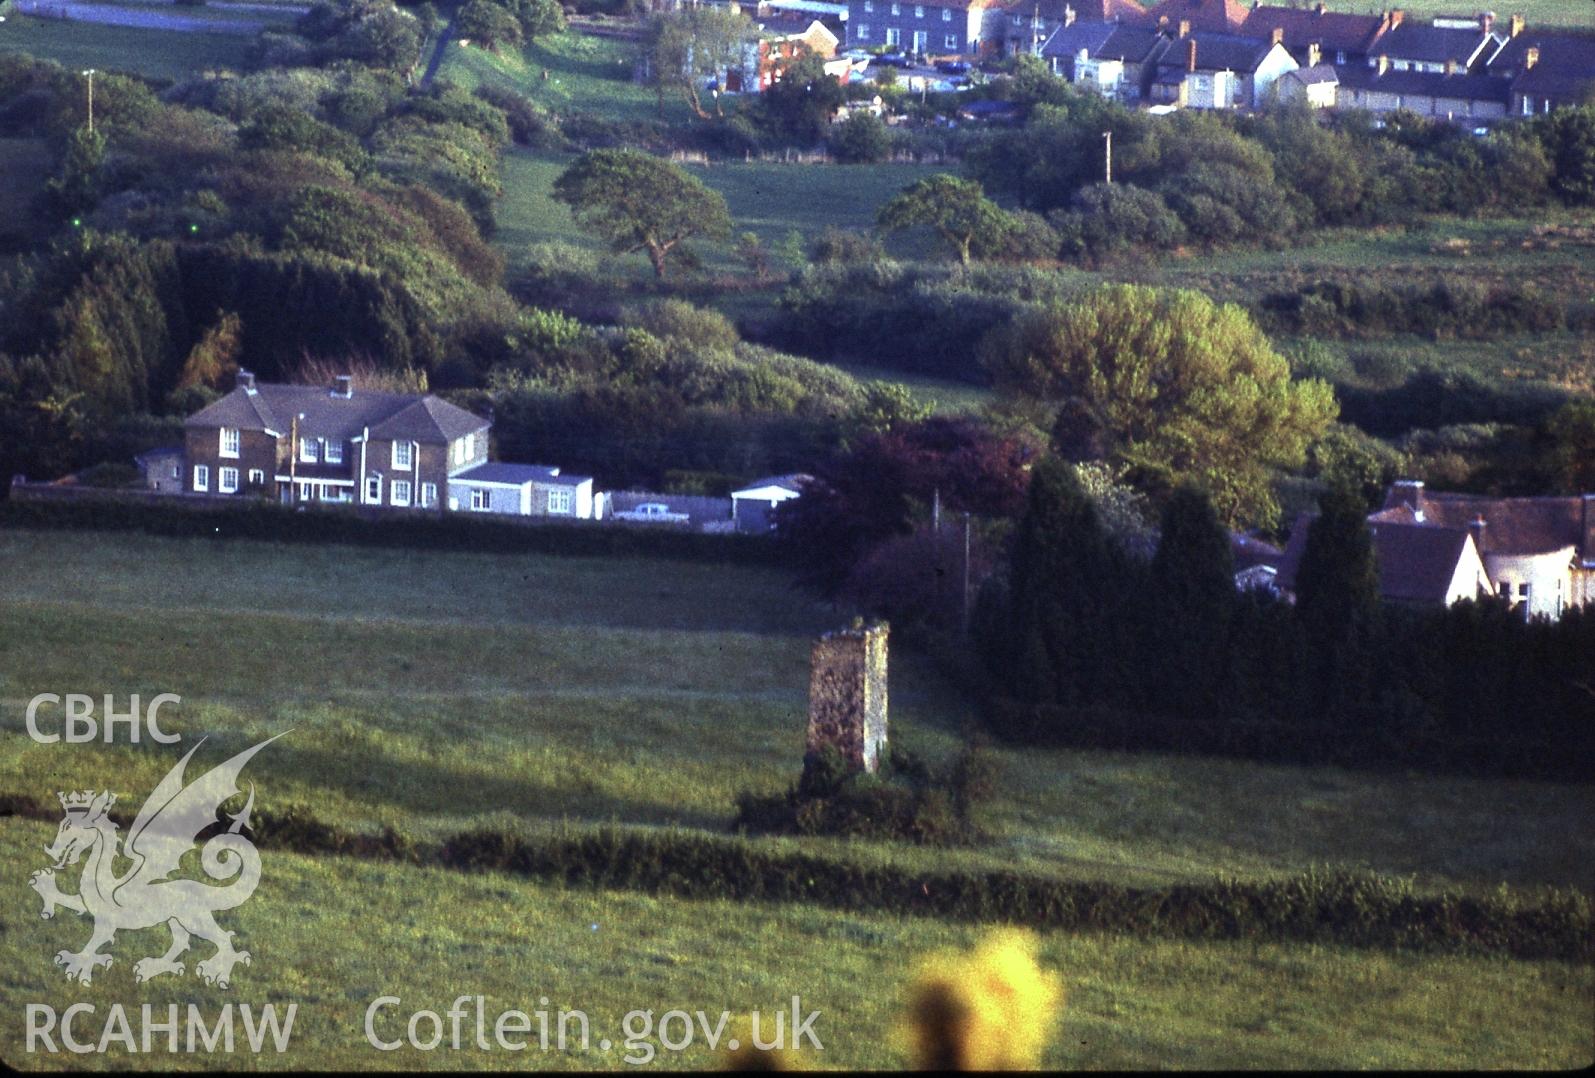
(333, 934)
(1537, 12)
(158, 53)
(435, 691)
(766, 198)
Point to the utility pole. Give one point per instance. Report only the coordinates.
(90, 74)
(1107, 160)
(935, 509)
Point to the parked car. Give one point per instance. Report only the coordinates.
(953, 67)
(895, 59)
(653, 512)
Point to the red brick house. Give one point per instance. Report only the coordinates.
(309, 444)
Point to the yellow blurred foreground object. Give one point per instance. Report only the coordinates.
(992, 1008)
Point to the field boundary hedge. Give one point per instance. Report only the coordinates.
(1357, 909)
(265, 521)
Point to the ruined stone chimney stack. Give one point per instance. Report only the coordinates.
(847, 695)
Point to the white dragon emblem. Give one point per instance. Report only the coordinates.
(167, 827)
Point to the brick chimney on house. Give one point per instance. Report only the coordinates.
(1514, 26)
(1314, 54)
(1407, 492)
(246, 380)
(1068, 15)
(343, 386)
(1190, 54)
(1321, 9)
(1278, 36)
(1450, 67)
(1531, 56)
(1185, 28)
(1384, 64)
(1486, 20)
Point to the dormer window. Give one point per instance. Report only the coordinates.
(404, 455)
(229, 446)
(309, 451)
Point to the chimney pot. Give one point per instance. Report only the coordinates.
(246, 380)
(1190, 54)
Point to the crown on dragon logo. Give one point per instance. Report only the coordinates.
(83, 801)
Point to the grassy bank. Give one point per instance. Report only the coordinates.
(159, 53)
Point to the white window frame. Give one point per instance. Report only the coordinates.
(480, 502)
(894, 36)
(560, 502)
(862, 33)
(429, 495)
(229, 443)
(202, 477)
(227, 481)
(919, 11)
(399, 492)
(305, 491)
(256, 476)
(950, 41)
(405, 460)
(946, 14)
(897, 9)
(309, 451)
(373, 490)
(869, 6)
(332, 453)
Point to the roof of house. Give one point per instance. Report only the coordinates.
(1133, 45)
(161, 453)
(1067, 41)
(324, 414)
(1217, 52)
(1330, 30)
(1415, 563)
(1218, 16)
(1564, 68)
(1314, 76)
(517, 474)
(1436, 44)
(794, 482)
(1511, 525)
(1249, 552)
(1460, 86)
(1085, 11)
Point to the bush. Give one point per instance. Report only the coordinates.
(679, 321)
(860, 139)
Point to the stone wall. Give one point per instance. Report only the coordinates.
(847, 695)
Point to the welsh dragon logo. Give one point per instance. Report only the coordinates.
(141, 896)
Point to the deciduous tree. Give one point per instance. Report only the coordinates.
(956, 210)
(637, 202)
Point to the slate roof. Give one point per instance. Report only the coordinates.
(271, 407)
(517, 474)
(1133, 45)
(1436, 44)
(1313, 76)
(1511, 525)
(1565, 69)
(1428, 83)
(1416, 563)
(1217, 52)
(1218, 16)
(1332, 30)
(1067, 41)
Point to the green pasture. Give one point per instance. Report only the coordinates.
(134, 50)
(332, 935)
(437, 691)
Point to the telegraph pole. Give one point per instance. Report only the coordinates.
(90, 74)
(1107, 159)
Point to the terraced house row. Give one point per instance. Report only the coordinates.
(1223, 54)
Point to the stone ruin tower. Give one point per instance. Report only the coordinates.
(847, 694)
